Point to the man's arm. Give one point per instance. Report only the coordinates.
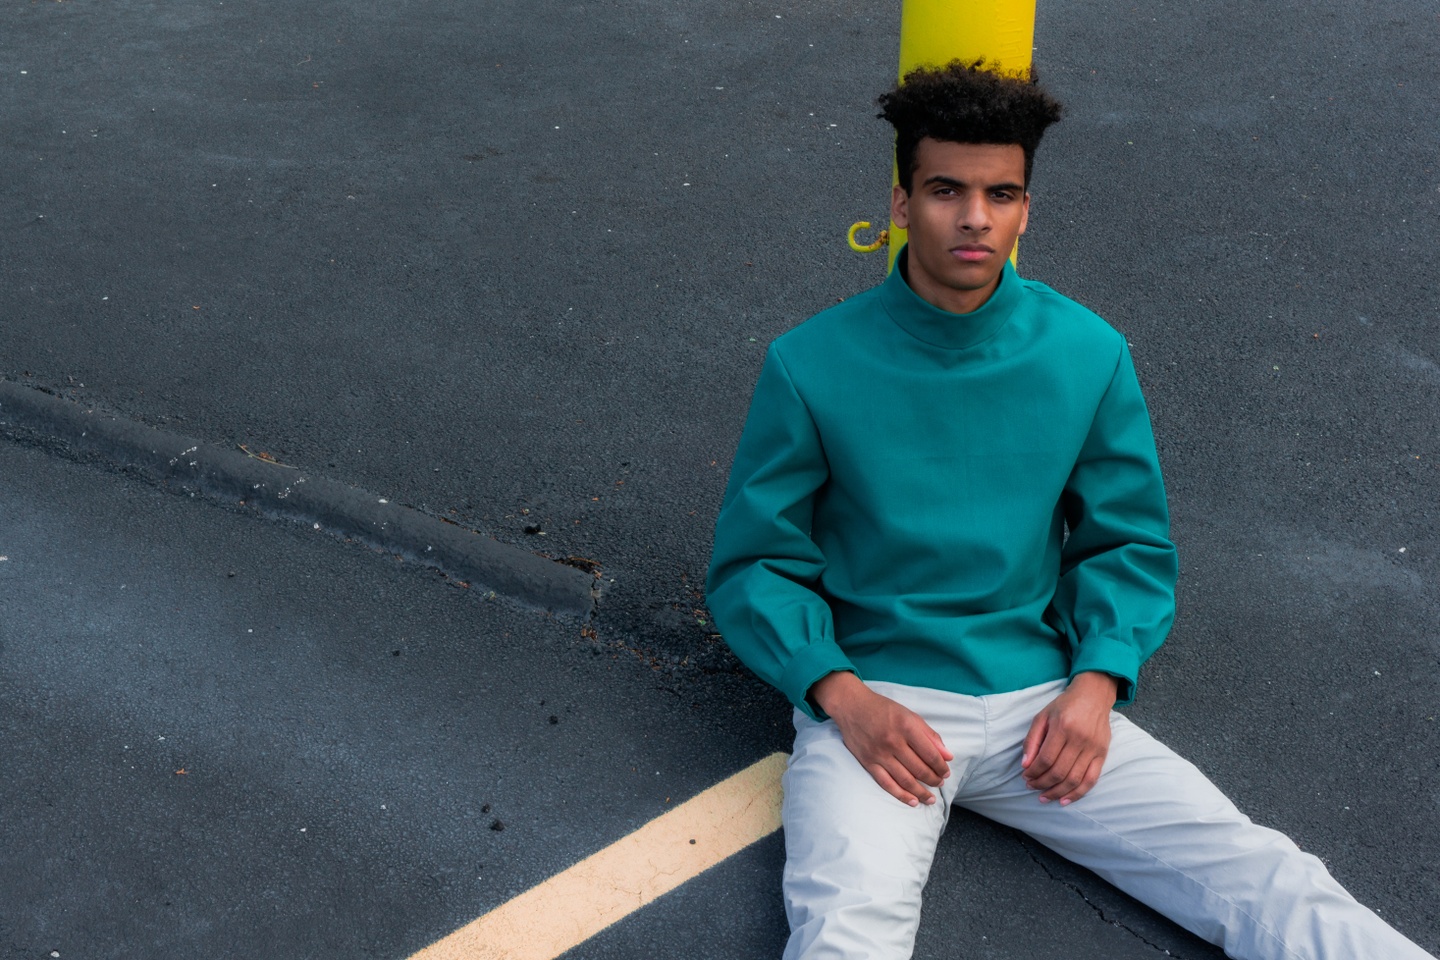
(765, 568)
(763, 591)
(1116, 595)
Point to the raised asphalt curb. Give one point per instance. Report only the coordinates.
(184, 465)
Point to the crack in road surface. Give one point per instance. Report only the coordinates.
(1098, 910)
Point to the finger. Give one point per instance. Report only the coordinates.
(907, 780)
(940, 745)
(915, 795)
(1064, 776)
(922, 769)
(1048, 763)
(1033, 739)
(930, 749)
(1092, 777)
(1081, 771)
(888, 784)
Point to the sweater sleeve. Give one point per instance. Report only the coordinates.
(1116, 595)
(765, 569)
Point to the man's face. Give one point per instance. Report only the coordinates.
(966, 207)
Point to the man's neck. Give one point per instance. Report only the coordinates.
(947, 298)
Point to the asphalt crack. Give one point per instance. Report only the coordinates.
(1098, 910)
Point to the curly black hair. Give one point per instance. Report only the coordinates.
(966, 103)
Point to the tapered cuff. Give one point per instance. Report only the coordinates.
(1119, 660)
(809, 665)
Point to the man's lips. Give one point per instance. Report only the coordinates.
(972, 251)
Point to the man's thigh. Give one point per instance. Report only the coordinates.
(856, 857)
(1158, 829)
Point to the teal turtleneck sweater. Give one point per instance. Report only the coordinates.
(900, 499)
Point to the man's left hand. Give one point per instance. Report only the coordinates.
(1068, 740)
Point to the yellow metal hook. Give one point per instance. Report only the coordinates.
(880, 240)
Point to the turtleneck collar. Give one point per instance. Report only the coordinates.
(941, 328)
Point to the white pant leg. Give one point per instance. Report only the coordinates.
(1158, 829)
(856, 859)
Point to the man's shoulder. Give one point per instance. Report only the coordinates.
(1062, 316)
(848, 318)
(831, 342)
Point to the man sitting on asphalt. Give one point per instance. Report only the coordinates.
(945, 540)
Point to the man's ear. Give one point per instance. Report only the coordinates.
(900, 207)
(1024, 213)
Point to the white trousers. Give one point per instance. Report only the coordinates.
(1154, 826)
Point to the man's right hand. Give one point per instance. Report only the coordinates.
(892, 742)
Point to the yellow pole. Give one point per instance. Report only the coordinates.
(934, 32)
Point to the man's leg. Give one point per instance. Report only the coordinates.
(856, 859)
(1158, 829)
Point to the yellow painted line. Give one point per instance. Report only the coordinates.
(575, 904)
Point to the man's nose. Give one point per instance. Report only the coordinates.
(974, 214)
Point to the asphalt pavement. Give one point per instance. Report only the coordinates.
(514, 266)
(227, 737)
